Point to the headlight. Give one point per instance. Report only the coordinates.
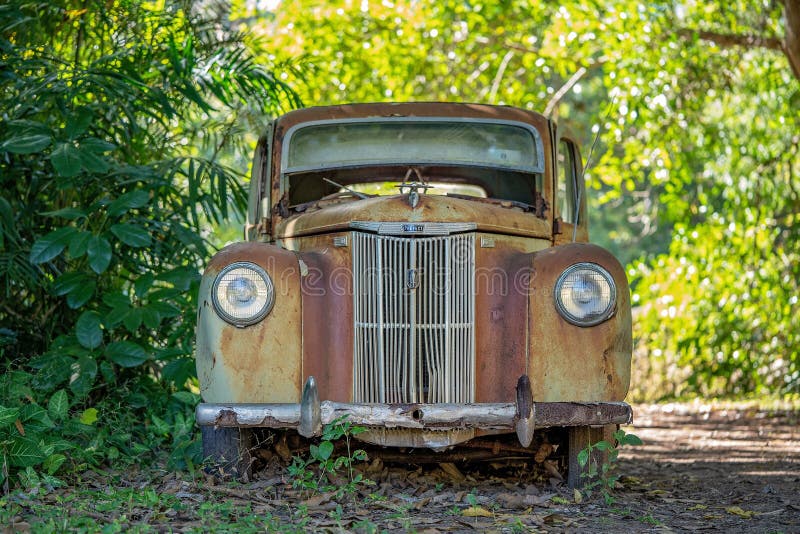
(585, 294)
(243, 293)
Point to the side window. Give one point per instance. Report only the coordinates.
(566, 192)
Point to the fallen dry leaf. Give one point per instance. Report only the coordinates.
(735, 510)
(577, 496)
(452, 471)
(476, 511)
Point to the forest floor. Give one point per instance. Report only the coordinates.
(723, 468)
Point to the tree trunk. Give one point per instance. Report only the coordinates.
(791, 14)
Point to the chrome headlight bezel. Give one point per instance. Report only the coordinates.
(264, 287)
(595, 317)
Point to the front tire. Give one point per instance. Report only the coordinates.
(228, 451)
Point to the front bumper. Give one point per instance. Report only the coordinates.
(309, 416)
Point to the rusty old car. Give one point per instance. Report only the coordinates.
(424, 270)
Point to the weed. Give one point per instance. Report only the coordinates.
(649, 519)
(366, 526)
(603, 477)
(314, 473)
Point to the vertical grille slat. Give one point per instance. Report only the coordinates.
(414, 344)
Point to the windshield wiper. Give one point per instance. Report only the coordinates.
(356, 193)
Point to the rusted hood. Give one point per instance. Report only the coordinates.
(487, 217)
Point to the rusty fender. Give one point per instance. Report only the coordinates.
(261, 362)
(571, 363)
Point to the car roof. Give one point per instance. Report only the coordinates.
(408, 109)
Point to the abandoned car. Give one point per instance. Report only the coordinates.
(424, 270)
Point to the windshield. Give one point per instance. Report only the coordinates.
(419, 141)
(469, 158)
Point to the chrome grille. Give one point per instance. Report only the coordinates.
(414, 311)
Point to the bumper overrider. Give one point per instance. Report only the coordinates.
(310, 415)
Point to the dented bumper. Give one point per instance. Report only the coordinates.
(310, 415)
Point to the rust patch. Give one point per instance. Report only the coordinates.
(501, 278)
(327, 316)
(227, 418)
(574, 363)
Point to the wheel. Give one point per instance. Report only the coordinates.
(227, 451)
(579, 437)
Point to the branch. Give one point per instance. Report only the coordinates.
(499, 76)
(729, 40)
(561, 92)
(790, 46)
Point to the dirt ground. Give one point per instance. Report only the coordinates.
(734, 469)
(701, 468)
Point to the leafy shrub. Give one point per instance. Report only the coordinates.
(116, 141)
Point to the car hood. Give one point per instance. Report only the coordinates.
(484, 216)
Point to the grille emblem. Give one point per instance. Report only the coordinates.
(412, 279)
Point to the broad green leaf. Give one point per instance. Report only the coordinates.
(97, 146)
(24, 452)
(131, 235)
(82, 379)
(603, 446)
(323, 451)
(99, 251)
(164, 309)
(51, 245)
(160, 426)
(8, 416)
(126, 353)
(88, 330)
(35, 418)
(143, 284)
(53, 462)
(128, 201)
(150, 317)
(68, 282)
(107, 371)
(78, 122)
(133, 319)
(66, 160)
(66, 213)
(93, 162)
(583, 457)
(89, 416)
(26, 144)
(185, 397)
(58, 405)
(630, 439)
(81, 294)
(116, 299)
(79, 243)
(117, 315)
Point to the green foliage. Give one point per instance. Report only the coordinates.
(602, 476)
(701, 137)
(115, 141)
(314, 473)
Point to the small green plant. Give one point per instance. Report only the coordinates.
(650, 520)
(602, 477)
(314, 473)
